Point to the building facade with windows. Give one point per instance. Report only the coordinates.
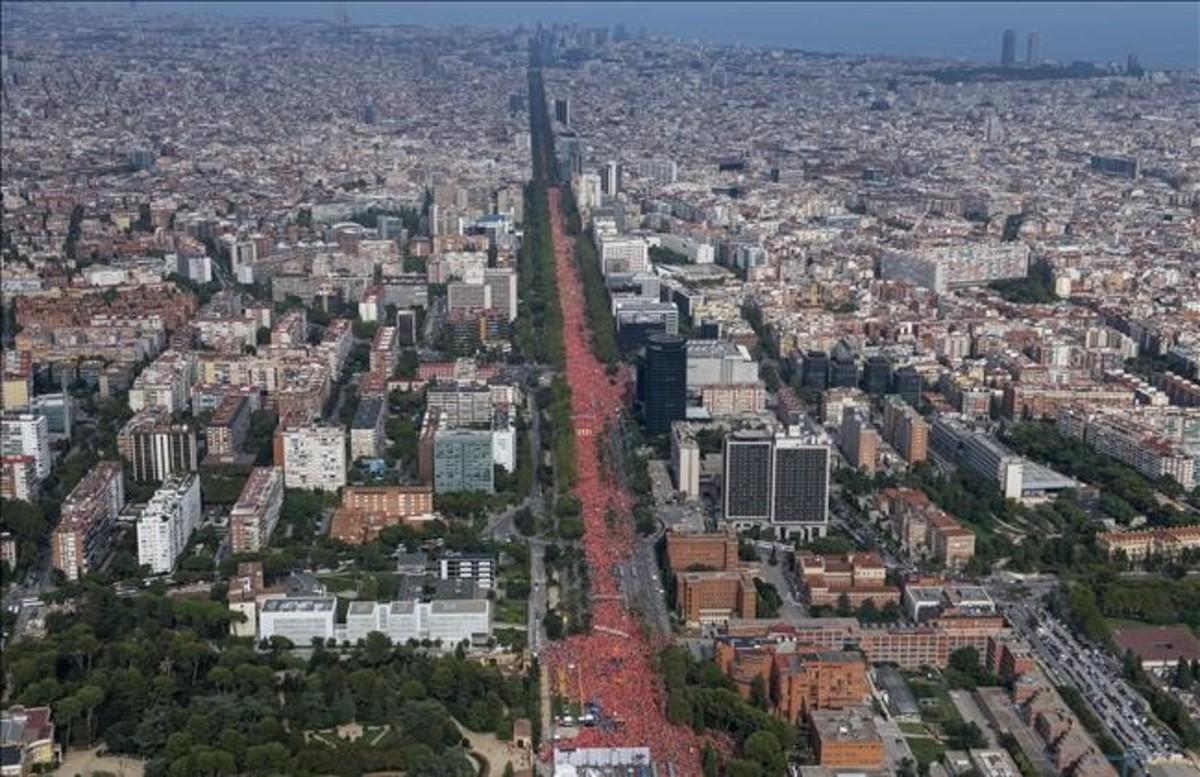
(314, 457)
(256, 511)
(168, 521)
(81, 540)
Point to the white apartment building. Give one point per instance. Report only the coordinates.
(169, 519)
(943, 267)
(1131, 441)
(242, 256)
(314, 457)
(26, 434)
(662, 171)
(370, 305)
(195, 267)
(697, 251)
(685, 460)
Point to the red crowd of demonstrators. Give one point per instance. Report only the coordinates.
(612, 665)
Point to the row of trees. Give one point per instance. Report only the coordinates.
(543, 335)
(28, 525)
(595, 294)
(539, 328)
(567, 567)
(1165, 706)
(562, 432)
(1158, 601)
(1074, 699)
(663, 255)
(868, 612)
(699, 695)
(1125, 492)
(369, 218)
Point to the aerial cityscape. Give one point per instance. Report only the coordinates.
(468, 390)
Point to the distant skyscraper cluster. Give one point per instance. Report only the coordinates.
(1008, 49)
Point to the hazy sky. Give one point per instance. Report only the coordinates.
(1162, 34)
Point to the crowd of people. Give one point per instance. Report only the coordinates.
(611, 665)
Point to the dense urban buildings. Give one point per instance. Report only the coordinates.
(353, 335)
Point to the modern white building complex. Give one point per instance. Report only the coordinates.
(450, 620)
(622, 253)
(300, 619)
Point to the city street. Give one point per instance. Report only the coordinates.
(537, 595)
(500, 527)
(642, 588)
(23, 598)
(1097, 676)
(785, 583)
(865, 535)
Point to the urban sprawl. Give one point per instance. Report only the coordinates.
(569, 401)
